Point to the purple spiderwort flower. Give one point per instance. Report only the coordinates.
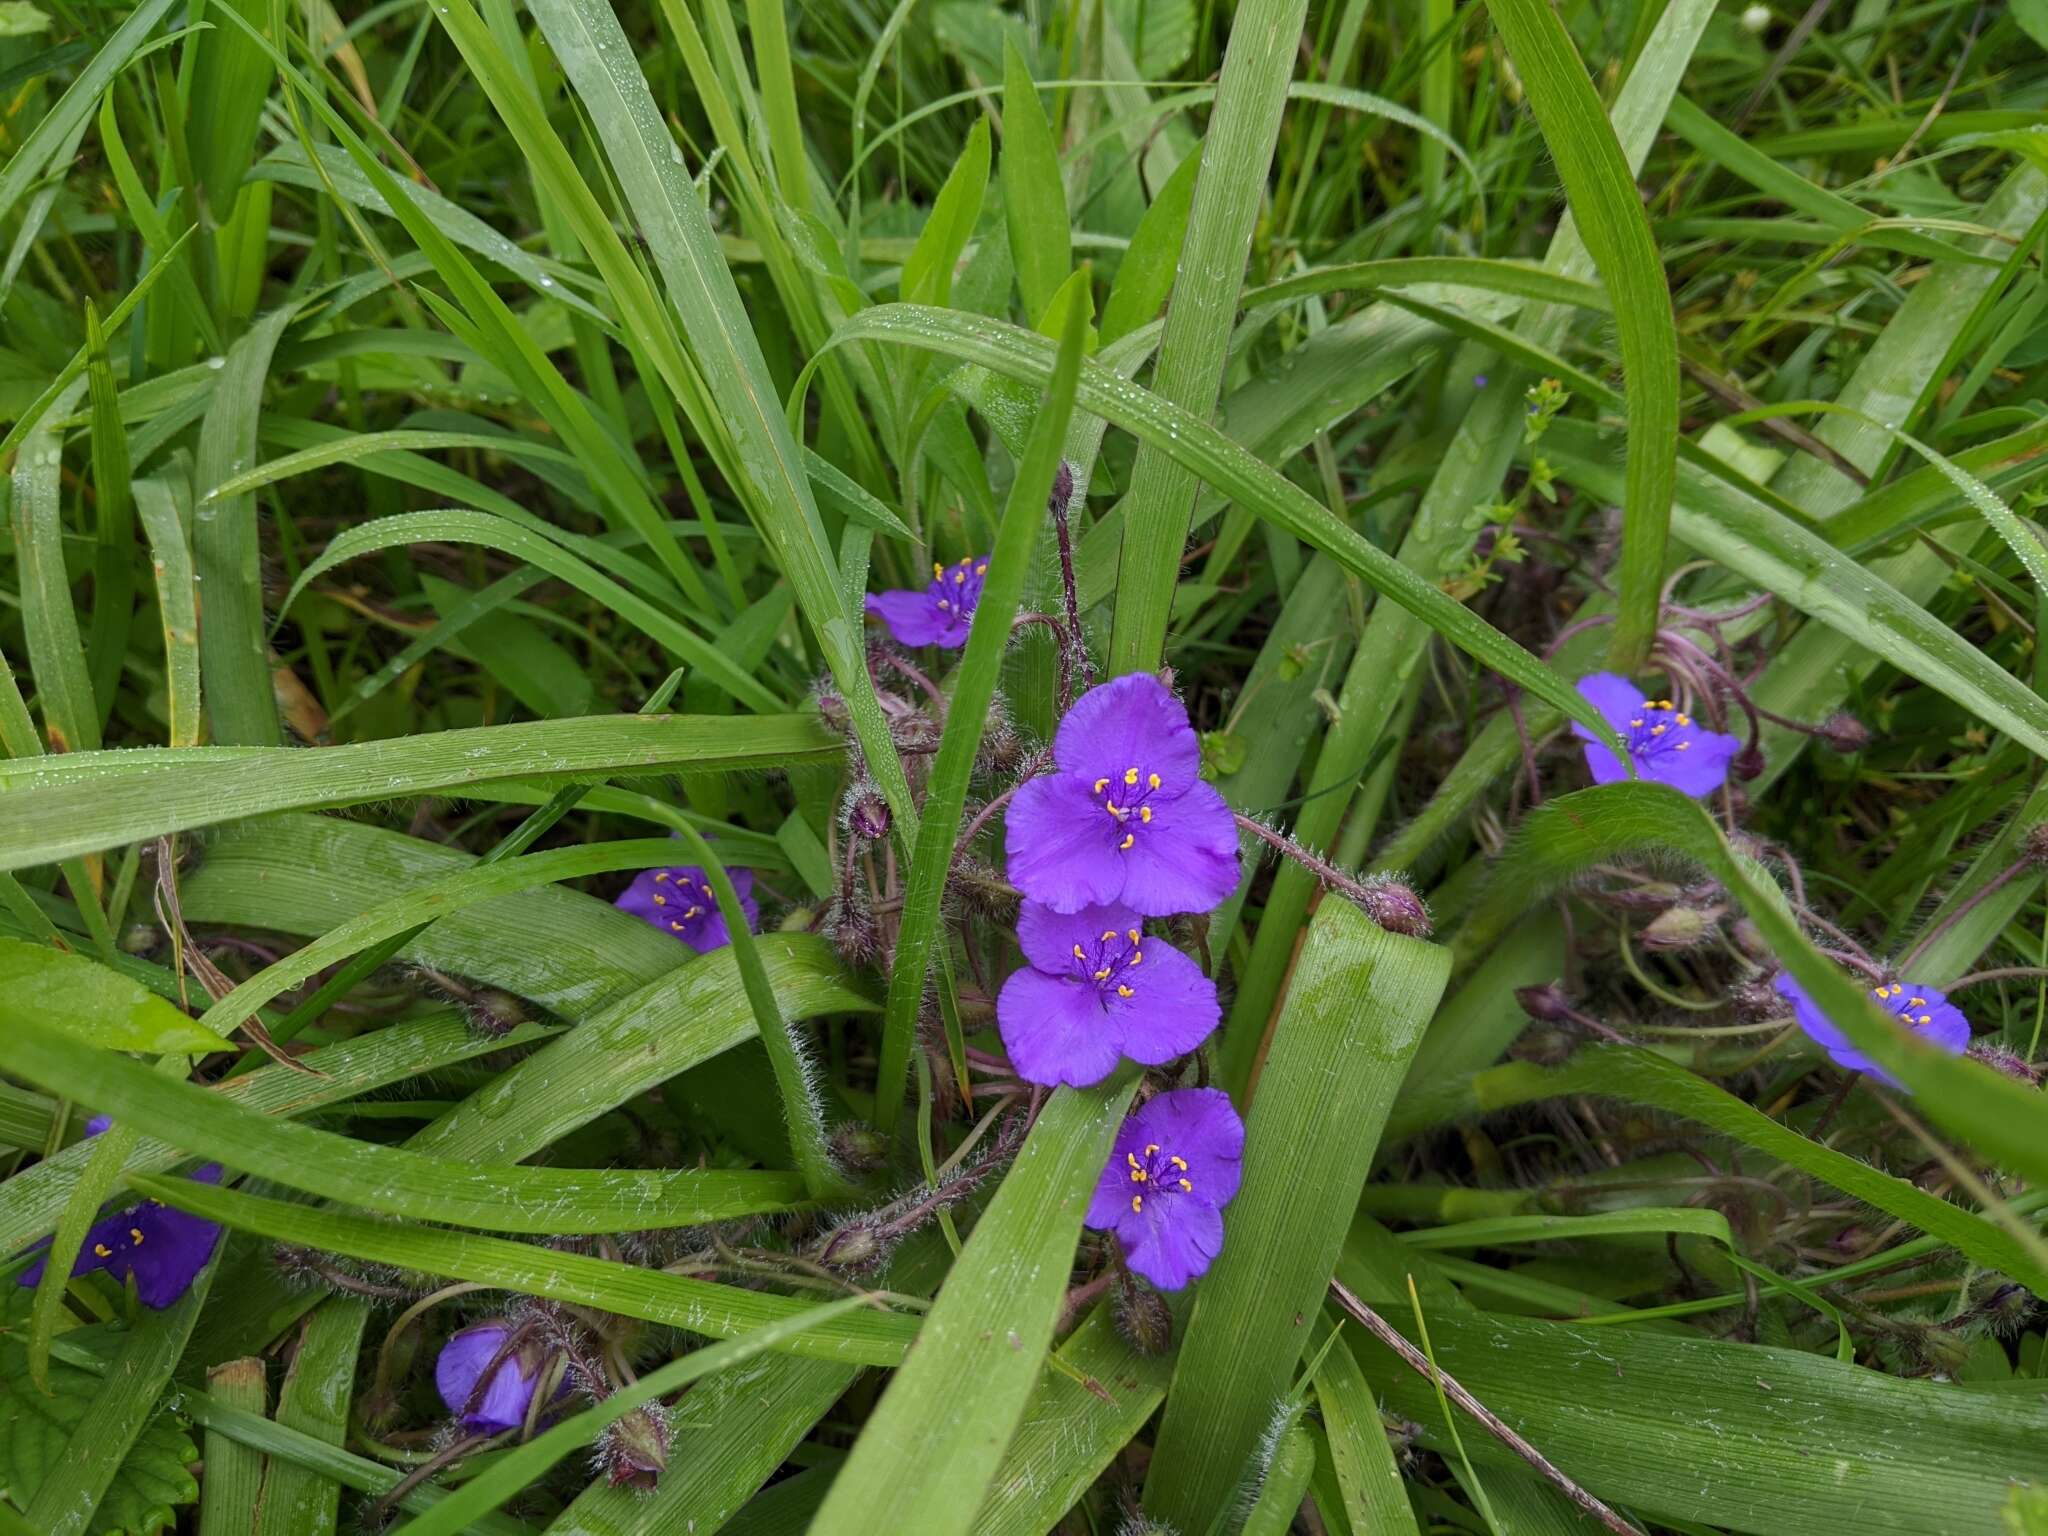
(162, 1247)
(486, 1385)
(679, 900)
(941, 613)
(1666, 744)
(1173, 1169)
(1925, 1010)
(1096, 989)
(1126, 818)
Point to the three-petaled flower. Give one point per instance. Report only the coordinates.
(940, 613)
(1924, 1010)
(1126, 817)
(161, 1247)
(488, 1378)
(679, 901)
(1666, 745)
(1096, 988)
(1176, 1164)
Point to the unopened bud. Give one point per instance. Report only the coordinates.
(1062, 488)
(1142, 1316)
(633, 1449)
(1676, 928)
(2005, 1060)
(855, 1246)
(2004, 1307)
(866, 812)
(493, 1012)
(1755, 1001)
(1545, 1045)
(853, 930)
(1943, 1351)
(1748, 763)
(1652, 896)
(1394, 905)
(1750, 940)
(833, 707)
(1844, 732)
(2034, 845)
(1546, 1003)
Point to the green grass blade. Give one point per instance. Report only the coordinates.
(1034, 195)
(1601, 189)
(233, 1490)
(56, 650)
(1354, 1015)
(300, 1500)
(925, 1459)
(1237, 152)
(101, 800)
(974, 688)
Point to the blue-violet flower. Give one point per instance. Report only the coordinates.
(162, 1247)
(487, 1382)
(679, 900)
(1096, 988)
(1126, 818)
(1175, 1165)
(1925, 1010)
(941, 613)
(1666, 744)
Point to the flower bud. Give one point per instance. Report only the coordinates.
(2034, 845)
(1544, 1045)
(833, 707)
(1750, 940)
(852, 928)
(1394, 905)
(1676, 928)
(1844, 732)
(1748, 763)
(1142, 1316)
(492, 1012)
(1652, 896)
(1940, 1351)
(633, 1449)
(1546, 1003)
(1062, 488)
(865, 812)
(854, 1247)
(859, 1148)
(2003, 1059)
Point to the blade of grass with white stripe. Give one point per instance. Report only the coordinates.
(721, 1311)
(391, 1180)
(158, 503)
(1237, 153)
(56, 651)
(927, 1454)
(1601, 190)
(1019, 354)
(104, 799)
(974, 688)
(1990, 1112)
(1360, 1000)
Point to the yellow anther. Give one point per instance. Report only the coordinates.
(1137, 957)
(102, 1251)
(1132, 934)
(1131, 1158)
(1179, 1162)
(981, 569)
(1137, 1175)
(1152, 1149)
(1682, 746)
(1925, 1018)
(1916, 1002)
(1137, 1202)
(938, 571)
(1151, 781)
(1130, 775)
(1685, 719)
(1103, 974)
(1636, 724)
(1659, 730)
(661, 901)
(1123, 991)
(1108, 934)
(1126, 843)
(661, 877)
(1101, 785)
(1145, 814)
(1078, 955)
(959, 577)
(1663, 703)
(1184, 1184)
(944, 604)
(674, 927)
(135, 1236)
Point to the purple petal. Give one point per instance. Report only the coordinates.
(1130, 722)
(1049, 938)
(1601, 762)
(915, 618)
(1698, 771)
(1171, 1010)
(1060, 846)
(1203, 1126)
(1172, 1240)
(503, 1402)
(1616, 697)
(175, 1247)
(1056, 1030)
(1185, 858)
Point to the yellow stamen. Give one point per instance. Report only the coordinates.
(1659, 730)
(135, 1236)
(1078, 955)
(1137, 1175)
(1145, 814)
(1126, 843)
(1132, 934)
(981, 569)
(1636, 724)
(1152, 1149)
(1925, 1018)
(944, 604)
(1685, 719)
(675, 927)
(1123, 991)
(1179, 1162)
(661, 901)
(1682, 746)
(1108, 934)
(1151, 781)
(1184, 1184)
(661, 878)
(1137, 1202)
(938, 571)
(102, 1251)
(1136, 957)
(959, 577)
(1101, 785)
(1916, 1002)
(1103, 974)
(1131, 1158)
(1130, 775)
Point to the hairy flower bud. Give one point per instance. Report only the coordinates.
(1750, 940)
(2034, 845)
(1394, 905)
(855, 1247)
(1844, 732)
(2003, 1059)
(858, 1148)
(1546, 1045)
(1748, 763)
(633, 1450)
(1546, 1003)
(864, 811)
(1062, 488)
(833, 707)
(1142, 1316)
(1676, 928)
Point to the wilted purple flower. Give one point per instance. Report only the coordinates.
(1096, 989)
(1666, 745)
(485, 1384)
(1173, 1169)
(1926, 1010)
(162, 1247)
(679, 900)
(1126, 818)
(941, 613)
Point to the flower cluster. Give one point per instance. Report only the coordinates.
(679, 900)
(1124, 829)
(1665, 744)
(487, 1376)
(162, 1249)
